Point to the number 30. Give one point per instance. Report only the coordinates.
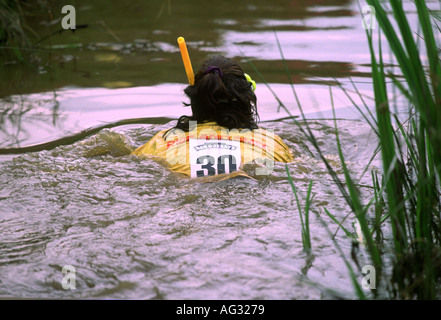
(208, 162)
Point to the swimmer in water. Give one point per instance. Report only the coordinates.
(221, 139)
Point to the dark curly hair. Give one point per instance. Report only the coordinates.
(222, 94)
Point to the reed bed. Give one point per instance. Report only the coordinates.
(407, 194)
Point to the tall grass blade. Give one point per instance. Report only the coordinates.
(304, 219)
(359, 211)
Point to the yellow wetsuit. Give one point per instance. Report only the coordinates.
(210, 151)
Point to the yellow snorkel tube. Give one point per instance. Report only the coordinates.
(186, 60)
(189, 68)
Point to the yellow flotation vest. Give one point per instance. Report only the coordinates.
(209, 151)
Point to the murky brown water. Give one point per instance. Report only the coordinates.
(132, 229)
(129, 227)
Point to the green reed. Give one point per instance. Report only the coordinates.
(304, 217)
(407, 195)
(12, 30)
(17, 37)
(411, 159)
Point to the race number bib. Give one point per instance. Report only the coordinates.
(212, 157)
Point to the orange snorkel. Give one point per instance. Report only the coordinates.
(186, 60)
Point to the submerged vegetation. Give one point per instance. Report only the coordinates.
(407, 196)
